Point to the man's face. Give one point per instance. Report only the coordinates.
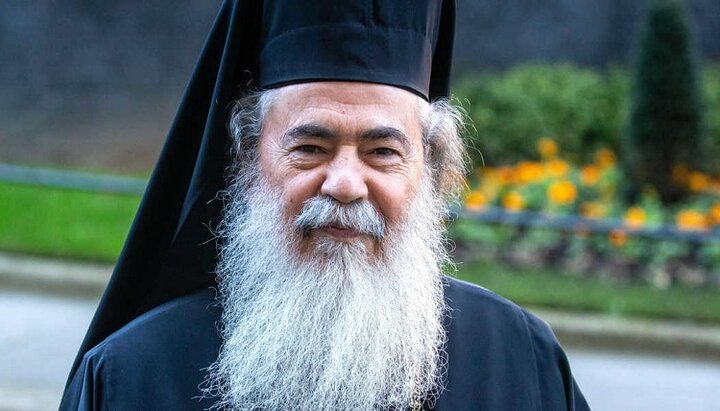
(302, 298)
(352, 142)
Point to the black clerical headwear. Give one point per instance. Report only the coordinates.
(170, 250)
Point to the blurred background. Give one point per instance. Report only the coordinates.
(593, 199)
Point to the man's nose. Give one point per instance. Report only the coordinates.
(344, 180)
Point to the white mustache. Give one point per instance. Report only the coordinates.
(324, 211)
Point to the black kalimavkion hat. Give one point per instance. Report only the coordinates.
(171, 250)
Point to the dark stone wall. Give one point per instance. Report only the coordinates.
(77, 46)
(94, 84)
(56, 46)
(87, 73)
(500, 33)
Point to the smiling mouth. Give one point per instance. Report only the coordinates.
(340, 232)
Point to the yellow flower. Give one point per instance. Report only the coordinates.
(604, 158)
(557, 168)
(690, 220)
(714, 214)
(475, 200)
(590, 175)
(562, 192)
(592, 209)
(634, 217)
(528, 172)
(513, 201)
(547, 147)
(698, 182)
(617, 237)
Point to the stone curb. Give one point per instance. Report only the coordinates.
(53, 275)
(572, 329)
(640, 335)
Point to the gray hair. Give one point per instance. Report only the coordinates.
(442, 125)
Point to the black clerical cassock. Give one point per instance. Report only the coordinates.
(155, 329)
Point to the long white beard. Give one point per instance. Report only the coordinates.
(336, 330)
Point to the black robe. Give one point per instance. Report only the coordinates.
(500, 357)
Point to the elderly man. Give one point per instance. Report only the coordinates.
(327, 288)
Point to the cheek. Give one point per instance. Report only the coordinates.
(392, 198)
(393, 193)
(296, 190)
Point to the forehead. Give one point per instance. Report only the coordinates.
(347, 106)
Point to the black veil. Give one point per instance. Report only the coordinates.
(170, 250)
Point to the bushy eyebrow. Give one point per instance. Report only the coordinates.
(318, 131)
(306, 131)
(390, 133)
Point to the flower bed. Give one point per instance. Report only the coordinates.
(644, 241)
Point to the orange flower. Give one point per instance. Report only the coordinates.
(505, 175)
(528, 172)
(698, 182)
(513, 201)
(562, 192)
(590, 175)
(617, 237)
(604, 158)
(475, 200)
(557, 168)
(634, 217)
(547, 147)
(714, 214)
(592, 209)
(690, 220)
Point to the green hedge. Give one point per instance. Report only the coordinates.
(582, 109)
(711, 88)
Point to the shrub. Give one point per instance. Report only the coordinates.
(711, 97)
(665, 119)
(579, 108)
(512, 112)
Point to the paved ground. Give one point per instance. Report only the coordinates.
(40, 333)
(624, 381)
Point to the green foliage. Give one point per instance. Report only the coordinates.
(711, 118)
(665, 119)
(548, 288)
(64, 223)
(579, 108)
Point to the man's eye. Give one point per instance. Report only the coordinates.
(384, 151)
(308, 149)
